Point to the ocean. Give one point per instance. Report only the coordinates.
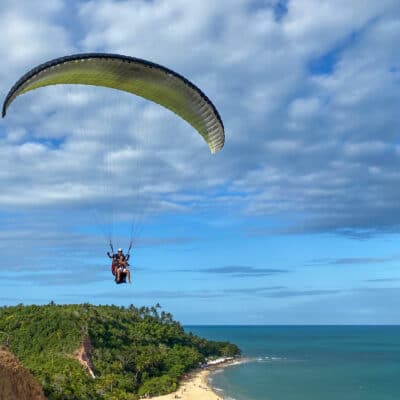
(310, 362)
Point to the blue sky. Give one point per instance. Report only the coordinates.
(295, 221)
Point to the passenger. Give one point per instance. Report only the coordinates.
(123, 265)
(119, 266)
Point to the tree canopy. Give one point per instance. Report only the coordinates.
(133, 351)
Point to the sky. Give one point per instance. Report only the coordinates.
(295, 221)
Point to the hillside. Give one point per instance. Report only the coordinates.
(104, 352)
(16, 382)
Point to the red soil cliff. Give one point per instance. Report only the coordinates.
(16, 382)
(83, 356)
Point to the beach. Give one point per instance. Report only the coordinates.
(195, 387)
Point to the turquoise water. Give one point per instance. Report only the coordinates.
(310, 363)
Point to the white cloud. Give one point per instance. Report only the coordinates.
(30, 34)
(320, 143)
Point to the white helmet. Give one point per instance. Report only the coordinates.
(119, 249)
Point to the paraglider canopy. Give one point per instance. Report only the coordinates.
(140, 77)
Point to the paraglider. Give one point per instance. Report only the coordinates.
(139, 77)
(120, 264)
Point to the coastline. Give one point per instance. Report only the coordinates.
(196, 385)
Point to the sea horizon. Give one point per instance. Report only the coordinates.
(284, 325)
(349, 362)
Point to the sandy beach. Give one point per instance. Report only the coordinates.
(196, 387)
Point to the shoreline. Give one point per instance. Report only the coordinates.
(196, 384)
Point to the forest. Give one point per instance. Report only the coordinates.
(131, 351)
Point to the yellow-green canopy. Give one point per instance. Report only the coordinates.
(140, 77)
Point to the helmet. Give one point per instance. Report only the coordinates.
(119, 249)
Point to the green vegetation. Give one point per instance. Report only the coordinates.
(134, 351)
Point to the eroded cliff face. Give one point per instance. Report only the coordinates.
(83, 356)
(16, 382)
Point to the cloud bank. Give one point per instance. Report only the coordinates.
(310, 111)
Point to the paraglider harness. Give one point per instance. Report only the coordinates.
(115, 265)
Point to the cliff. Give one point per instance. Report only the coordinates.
(16, 382)
(84, 358)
